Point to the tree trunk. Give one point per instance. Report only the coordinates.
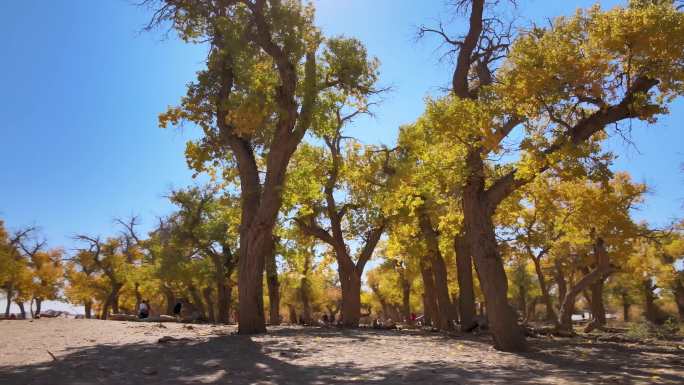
(197, 299)
(223, 286)
(626, 303)
(351, 296)
(601, 271)
(138, 298)
(33, 315)
(170, 299)
(254, 246)
(104, 313)
(39, 305)
(206, 293)
(406, 300)
(88, 309)
(598, 310)
(444, 305)
(273, 286)
(466, 292)
(22, 310)
(429, 300)
(292, 311)
(560, 281)
(651, 311)
(679, 297)
(551, 315)
(9, 295)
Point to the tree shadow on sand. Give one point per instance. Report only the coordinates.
(233, 359)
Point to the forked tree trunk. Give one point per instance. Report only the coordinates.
(254, 246)
(503, 321)
(273, 286)
(602, 270)
(466, 291)
(207, 294)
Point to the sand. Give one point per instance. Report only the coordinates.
(113, 352)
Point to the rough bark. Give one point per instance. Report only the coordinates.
(598, 309)
(406, 299)
(350, 281)
(466, 291)
(9, 294)
(626, 304)
(170, 299)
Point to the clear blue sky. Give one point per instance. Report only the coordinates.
(82, 87)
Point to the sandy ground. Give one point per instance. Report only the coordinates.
(112, 352)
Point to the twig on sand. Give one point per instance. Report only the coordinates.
(52, 355)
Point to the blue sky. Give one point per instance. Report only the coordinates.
(82, 88)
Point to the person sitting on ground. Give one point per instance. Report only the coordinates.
(144, 310)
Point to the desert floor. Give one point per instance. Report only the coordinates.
(112, 352)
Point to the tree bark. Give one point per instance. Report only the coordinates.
(305, 292)
(406, 300)
(651, 311)
(626, 304)
(466, 291)
(598, 309)
(39, 305)
(350, 281)
(170, 299)
(273, 286)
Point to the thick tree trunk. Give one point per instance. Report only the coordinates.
(273, 286)
(503, 321)
(292, 311)
(551, 315)
(562, 284)
(88, 306)
(466, 292)
(207, 294)
(351, 296)
(430, 308)
(254, 245)
(104, 312)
